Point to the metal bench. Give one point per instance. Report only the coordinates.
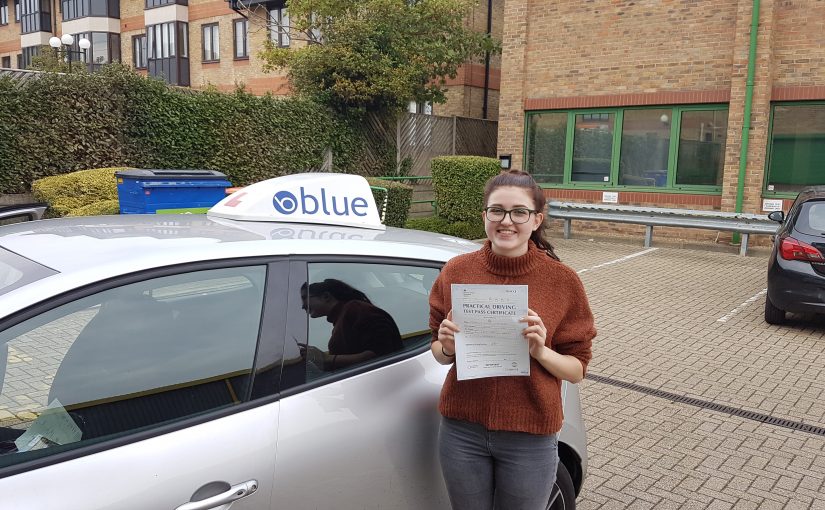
(745, 224)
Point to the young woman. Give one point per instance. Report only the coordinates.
(499, 435)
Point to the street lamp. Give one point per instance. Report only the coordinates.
(67, 40)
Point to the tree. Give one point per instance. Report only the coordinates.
(53, 61)
(377, 55)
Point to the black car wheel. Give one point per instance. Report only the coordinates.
(773, 315)
(564, 493)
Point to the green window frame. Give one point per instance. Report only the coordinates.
(796, 156)
(601, 166)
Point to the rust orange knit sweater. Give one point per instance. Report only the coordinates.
(521, 404)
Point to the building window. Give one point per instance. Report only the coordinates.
(167, 51)
(645, 147)
(160, 40)
(702, 138)
(6, 64)
(139, 51)
(74, 9)
(25, 59)
(17, 11)
(19, 61)
(4, 12)
(680, 147)
(104, 49)
(279, 26)
(160, 3)
(211, 42)
(797, 147)
(241, 38)
(35, 15)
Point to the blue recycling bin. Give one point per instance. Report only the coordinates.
(142, 191)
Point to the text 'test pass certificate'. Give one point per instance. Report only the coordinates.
(491, 342)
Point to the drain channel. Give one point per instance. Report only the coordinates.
(704, 404)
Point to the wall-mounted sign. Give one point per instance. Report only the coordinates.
(770, 205)
(610, 197)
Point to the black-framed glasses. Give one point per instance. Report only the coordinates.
(517, 215)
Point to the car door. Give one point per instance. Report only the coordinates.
(151, 392)
(360, 436)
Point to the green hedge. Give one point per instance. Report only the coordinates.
(97, 209)
(458, 183)
(58, 124)
(472, 230)
(398, 204)
(68, 192)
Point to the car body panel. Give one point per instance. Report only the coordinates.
(376, 430)
(85, 251)
(158, 473)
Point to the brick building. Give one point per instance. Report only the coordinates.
(201, 43)
(647, 98)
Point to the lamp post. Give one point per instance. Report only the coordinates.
(67, 40)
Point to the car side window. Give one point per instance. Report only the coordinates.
(127, 359)
(360, 313)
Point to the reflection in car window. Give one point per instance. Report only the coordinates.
(16, 271)
(128, 358)
(815, 216)
(361, 312)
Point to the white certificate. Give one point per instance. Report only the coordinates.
(491, 342)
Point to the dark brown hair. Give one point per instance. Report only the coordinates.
(519, 179)
(339, 290)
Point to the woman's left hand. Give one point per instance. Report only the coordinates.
(535, 333)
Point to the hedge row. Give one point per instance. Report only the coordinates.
(114, 118)
(458, 184)
(398, 202)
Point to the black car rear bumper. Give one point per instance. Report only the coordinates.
(794, 286)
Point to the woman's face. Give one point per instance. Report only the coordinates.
(316, 306)
(509, 239)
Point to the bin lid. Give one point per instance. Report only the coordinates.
(324, 198)
(166, 175)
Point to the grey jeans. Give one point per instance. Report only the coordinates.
(489, 469)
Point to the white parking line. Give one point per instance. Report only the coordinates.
(627, 257)
(743, 305)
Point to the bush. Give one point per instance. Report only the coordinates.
(458, 183)
(472, 230)
(398, 203)
(67, 192)
(428, 224)
(101, 208)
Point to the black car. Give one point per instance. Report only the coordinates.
(796, 272)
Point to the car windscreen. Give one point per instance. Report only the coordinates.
(16, 271)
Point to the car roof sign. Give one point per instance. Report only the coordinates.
(323, 198)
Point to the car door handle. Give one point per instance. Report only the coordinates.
(234, 493)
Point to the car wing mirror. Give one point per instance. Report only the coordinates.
(777, 216)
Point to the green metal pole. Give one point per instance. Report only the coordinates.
(746, 124)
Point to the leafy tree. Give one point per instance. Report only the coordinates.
(377, 55)
(50, 60)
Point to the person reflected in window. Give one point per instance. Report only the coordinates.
(360, 330)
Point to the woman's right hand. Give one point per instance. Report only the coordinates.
(446, 334)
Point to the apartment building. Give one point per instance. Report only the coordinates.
(205, 43)
(650, 102)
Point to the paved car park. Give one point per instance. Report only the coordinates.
(692, 400)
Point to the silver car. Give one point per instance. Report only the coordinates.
(160, 362)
